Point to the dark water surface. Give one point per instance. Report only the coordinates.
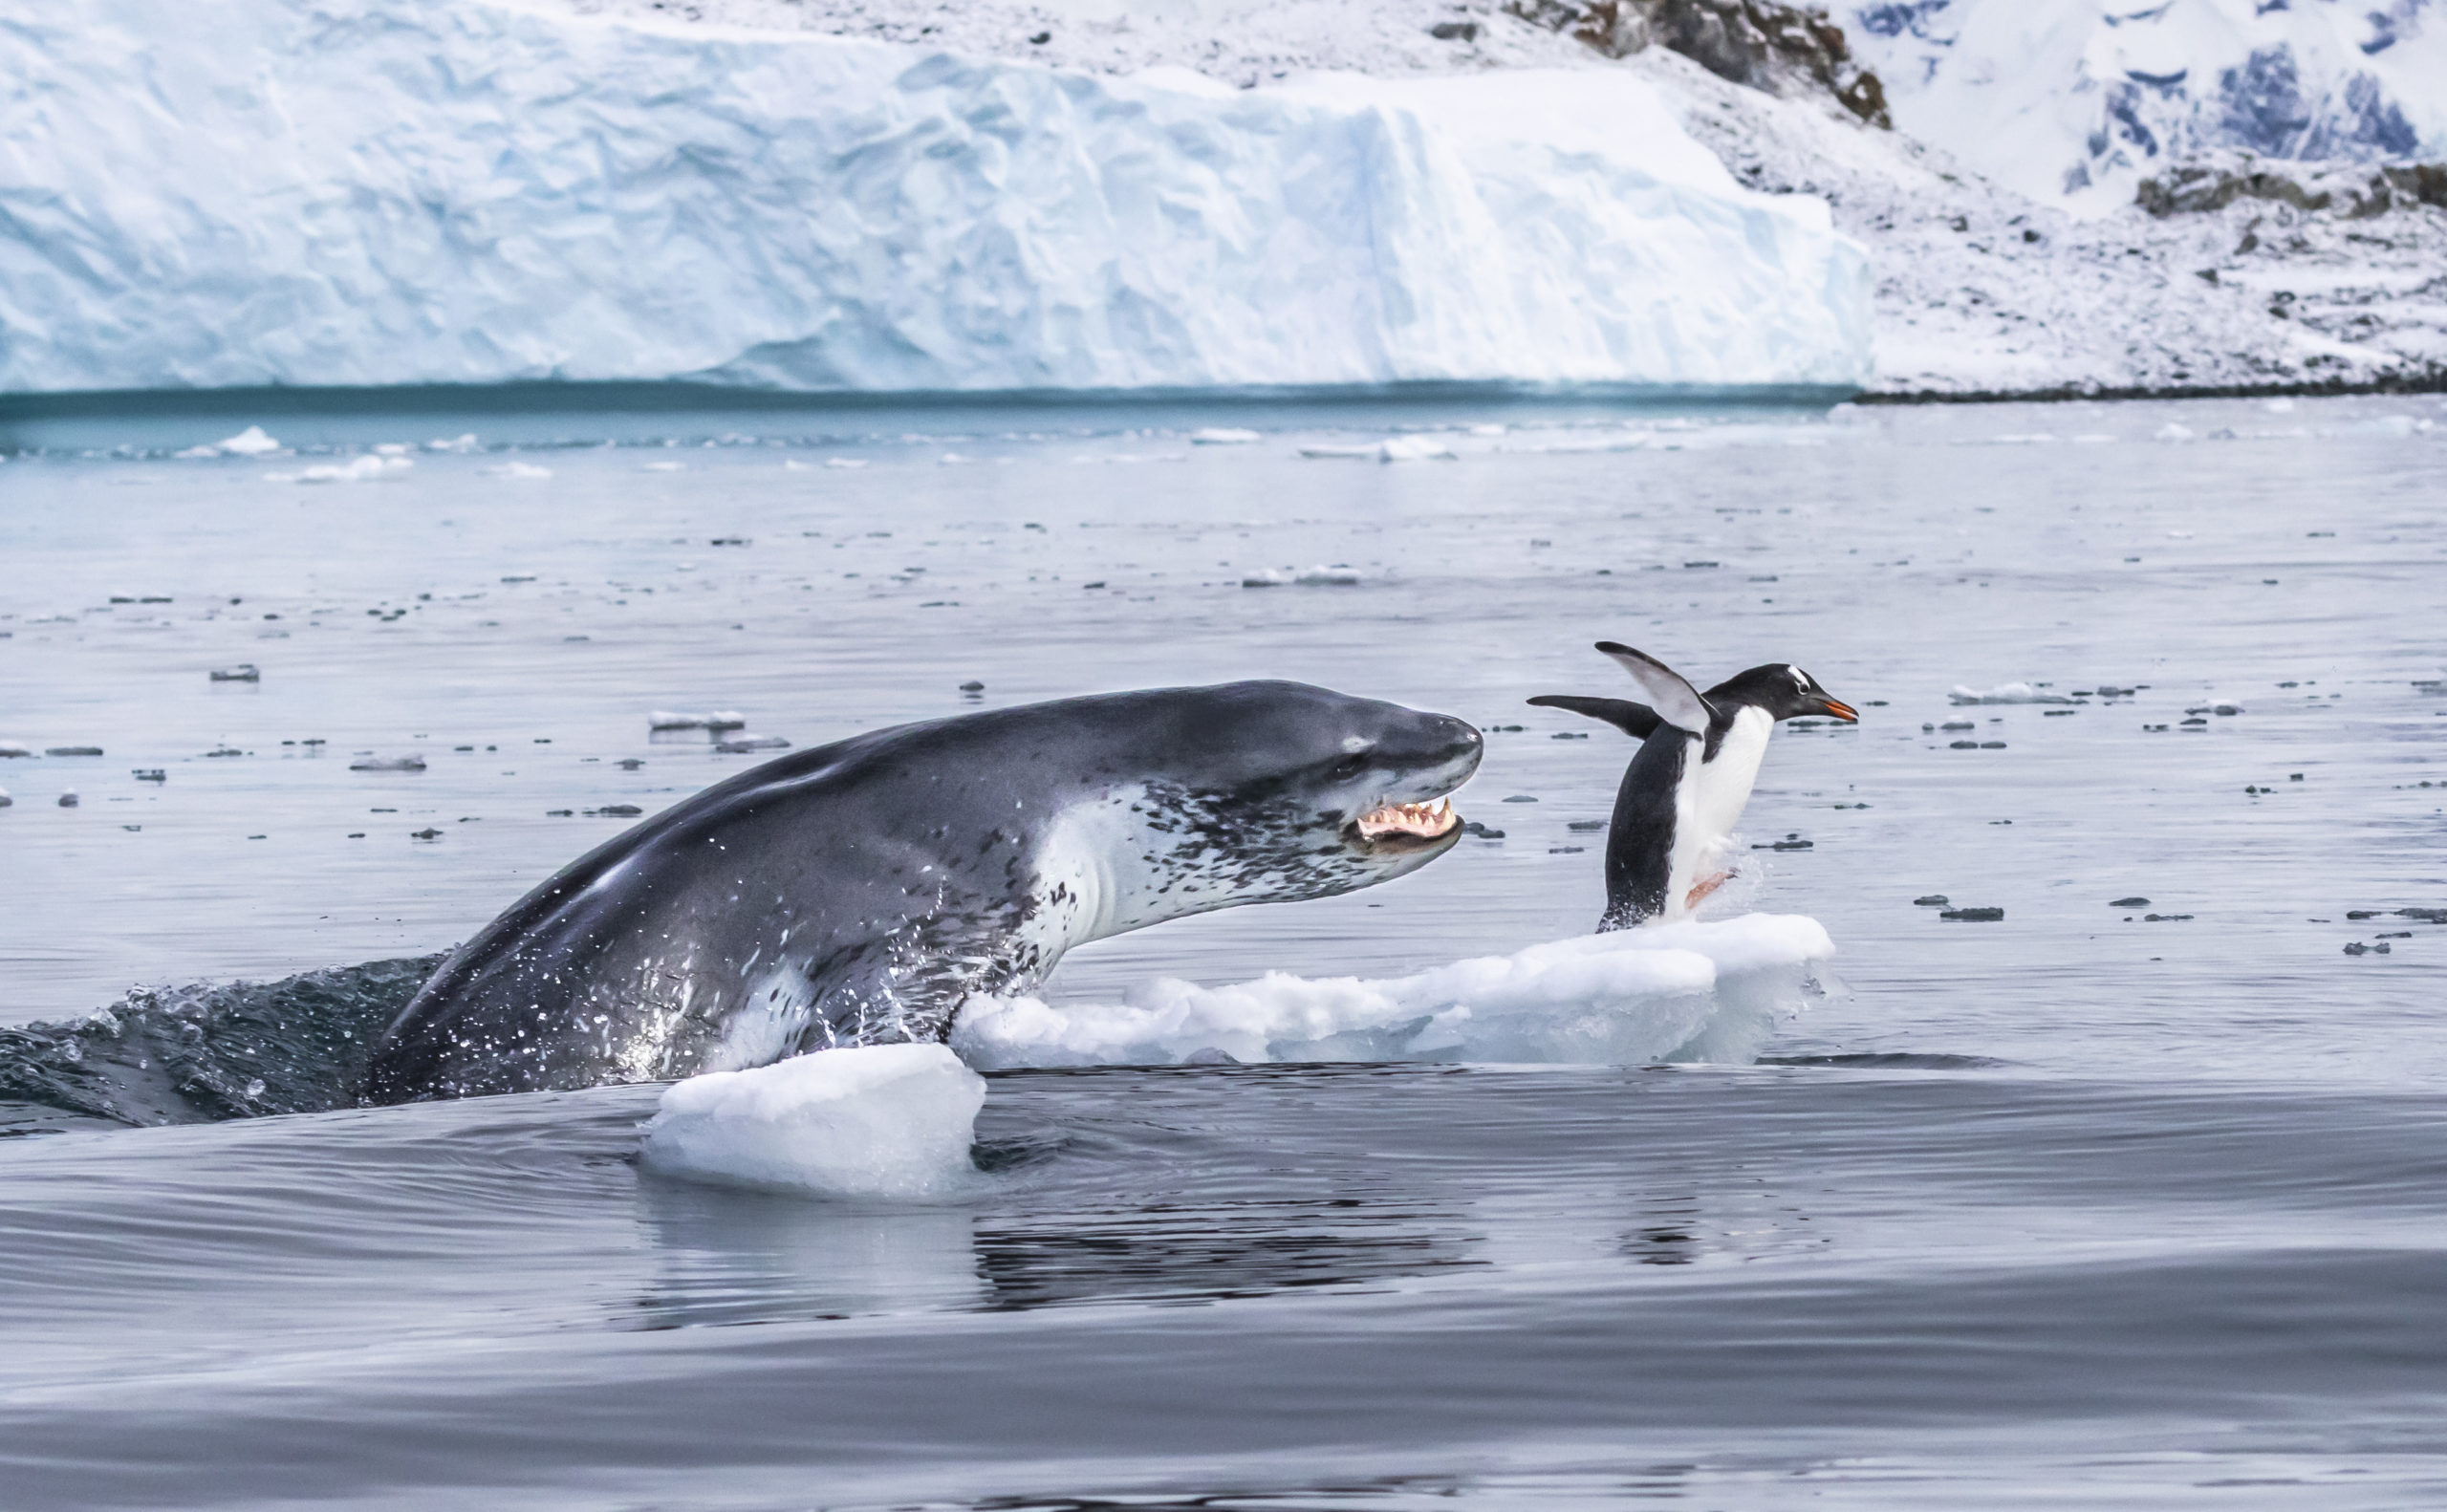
(2080, 1206)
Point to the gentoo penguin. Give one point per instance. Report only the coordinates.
(1685, 789)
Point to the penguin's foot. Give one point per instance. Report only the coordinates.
(1705, 886)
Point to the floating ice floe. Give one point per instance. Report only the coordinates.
(1393, 449)
(880, 1120)
(1694, 991)
(517, 470)
(2172, 430)
(1222, 436)
(1314, 577)
(460, 443)
(2005, 693)
(387, 763)
(844, 462)
(243, 672)
(248, 442)
(8, 748)
(742, 745)
(356, 469)
(713, 720)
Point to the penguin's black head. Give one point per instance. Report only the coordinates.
(1784, 691)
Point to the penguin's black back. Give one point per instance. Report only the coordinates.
(1640, 842)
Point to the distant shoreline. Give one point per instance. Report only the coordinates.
(2431, 382)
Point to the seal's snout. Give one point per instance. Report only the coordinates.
(1462, 741)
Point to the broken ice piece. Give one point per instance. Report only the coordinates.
(243, 672)
(1222, 436)
(1931, 901)
(72, 750)
(751, 743)
(68, 799)
(2005, 693)
(387, 763)
(1973, 915)
(716, 720)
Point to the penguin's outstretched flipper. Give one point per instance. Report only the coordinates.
(1637, 720)
(1675, 700)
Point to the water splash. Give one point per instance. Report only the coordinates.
(195, 1054)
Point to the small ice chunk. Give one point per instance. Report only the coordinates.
(715, 720)
(248, 442)
(1318, 577)
(666, 466)
(5, 800)
(2004, 693)
(517, 470)
(844, 462)
(465, 443)
(68, 799)
(1413, 448)
(1338, 450)
(880, 1120)
(359, 469)
(743, 744)
(243, 672)
(387, 763)
(10, 749)
(2172, 430)
(1222, 436)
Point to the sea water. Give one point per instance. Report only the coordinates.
(2136, 1203)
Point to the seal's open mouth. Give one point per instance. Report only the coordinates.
(1398, 826)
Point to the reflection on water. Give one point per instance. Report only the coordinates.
(1208, 1252)
(727, 1256)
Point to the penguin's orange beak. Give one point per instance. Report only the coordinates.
(1842, 711)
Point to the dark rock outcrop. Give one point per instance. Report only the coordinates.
(2352, 191)
(1777, 48)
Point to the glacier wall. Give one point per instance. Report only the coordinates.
(2073, 101)
(347, 192)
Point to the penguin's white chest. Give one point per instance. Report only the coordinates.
(1710, 804)
(1722, 788)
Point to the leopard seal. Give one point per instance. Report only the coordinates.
(858, 892)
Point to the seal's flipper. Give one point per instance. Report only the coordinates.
(1675, 702)
(1637, 720)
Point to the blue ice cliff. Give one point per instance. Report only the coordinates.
(345, 192)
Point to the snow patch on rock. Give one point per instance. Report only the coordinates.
(2073, 101)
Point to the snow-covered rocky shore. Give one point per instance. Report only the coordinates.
(1095, 195)
(2001, 215)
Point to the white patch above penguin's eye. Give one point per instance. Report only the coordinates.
(1801, 679)
(1355, 743)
